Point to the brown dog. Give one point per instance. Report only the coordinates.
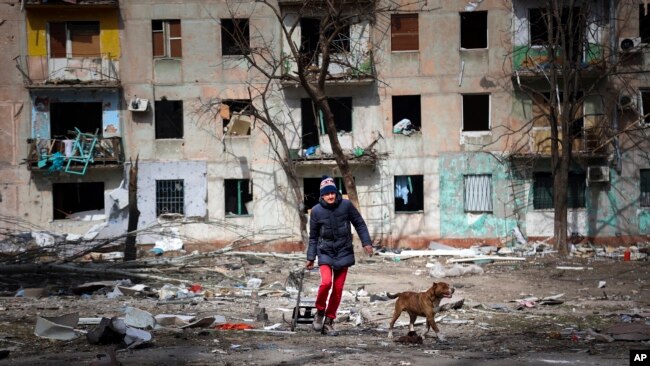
(420, 304)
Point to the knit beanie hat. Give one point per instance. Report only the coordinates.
(327, 185)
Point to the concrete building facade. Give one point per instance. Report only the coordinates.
(95, 85)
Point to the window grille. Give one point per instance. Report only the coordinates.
(644, 200)
(478, 193)
(170, 197)
(543, 191)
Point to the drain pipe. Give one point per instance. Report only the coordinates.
(613, 59)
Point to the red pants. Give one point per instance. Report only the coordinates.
(326, 282)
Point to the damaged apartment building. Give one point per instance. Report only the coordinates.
(90, 86)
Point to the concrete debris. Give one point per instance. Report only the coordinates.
(629, 331)
(438, 270)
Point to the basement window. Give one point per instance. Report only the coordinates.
(166, 38)
(409, 195)
(313, 120)
(473, 30)
(543, 191)
(235, 114)
(235, 37)
(404, 33)
(74, 39)
(644, 180)
(478, 192)
(169, 119)
(476, 112)
(170, 197)
(644, 23)
(312, 190)
(407, 107)
(71, 198)
(238, 193)
(65, 117)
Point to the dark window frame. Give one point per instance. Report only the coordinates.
(543, 191)
(168, 119)
(644, 24)
(409, 107)
(644, 187)
(479, 110)
(236, 197)
(474, 30)
(165, 43)
(168, 198)
(415, 193)
(235, 37)
(342, 108)
(70, 198)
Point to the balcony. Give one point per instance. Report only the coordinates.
(346, 69)
(534, 61)
(41, 72)
(74, 156)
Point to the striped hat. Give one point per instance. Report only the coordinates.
(327, 185)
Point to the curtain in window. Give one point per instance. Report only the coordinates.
(478, 193)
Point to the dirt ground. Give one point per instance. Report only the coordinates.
(487, 330)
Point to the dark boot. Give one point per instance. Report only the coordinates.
(317, 324)
(328, 327)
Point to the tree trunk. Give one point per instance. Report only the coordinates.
(130, 252)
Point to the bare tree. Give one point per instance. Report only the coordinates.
(571, 59)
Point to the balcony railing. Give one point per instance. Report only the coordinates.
(535, 60)
(74, 155)
(344, 68)
(42, 71)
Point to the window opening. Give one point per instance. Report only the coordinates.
(538, 29)
(166, 38)
(74, 39)
(70, 198)
(644, 199)
(170, 197)
(238, 192)
(169, 119)
(644, 22)
(478, 193)
(645, 105)
(404, 34)
(543, 191)
(65, 117)
(235, 37)
(406, 107)
(473, 29)
(409, 193)
(313, 120)
(237, 111)
(476, 112)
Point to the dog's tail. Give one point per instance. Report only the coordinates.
(392, 296)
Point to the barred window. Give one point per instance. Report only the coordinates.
(478, 193)
(644, 199)
(170, 197)
(543, 191)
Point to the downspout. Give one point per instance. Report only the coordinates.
(613, 58)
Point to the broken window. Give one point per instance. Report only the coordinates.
(238, 194)
(70, 198)
(473, 29)
(406, 107)
(404, 33)
(313, 120)
(478, 192)
(310, 38)
(542, 110)
(409, 195)
(476, 112)
(543, 190)
(644, 22)
(644, 180)
(235, 114)
(65, 117)
(169, 119)
(538, 28)
(312, 190)
(170, 197)
(74, 39)
(235, 37)
(166, 38)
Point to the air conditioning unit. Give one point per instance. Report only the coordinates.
(629, 44)
(598, 174)
(138, 105)
(627, 102)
